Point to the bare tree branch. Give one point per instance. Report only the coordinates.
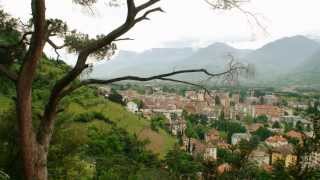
(232, 69)
(124, 39)
(52, 44)
(229, 4)
(63, 83)
(146, 5)
(145, 15)
(56, 47)
(249, 14)
(137, 78)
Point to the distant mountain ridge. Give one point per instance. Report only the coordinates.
(148, 62)
(306, 74)
(280, 58)
(162, 60)
(312, 64)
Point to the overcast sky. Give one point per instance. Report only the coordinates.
(188, 22)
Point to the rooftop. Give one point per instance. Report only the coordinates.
(276, 139)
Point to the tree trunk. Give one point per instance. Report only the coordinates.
(27, 136)
(34, 155)
(41, 163)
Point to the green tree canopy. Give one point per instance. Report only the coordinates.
(263, 133)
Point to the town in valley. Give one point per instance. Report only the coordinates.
(216, 123)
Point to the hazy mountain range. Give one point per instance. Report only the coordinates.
(287, 60)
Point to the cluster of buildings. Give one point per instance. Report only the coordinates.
(207, 148)
(273, 149)
(213, 104)
(216, 105)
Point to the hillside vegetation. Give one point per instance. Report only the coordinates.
(86, 101)
(85, 121)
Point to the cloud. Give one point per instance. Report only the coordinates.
(188, 22)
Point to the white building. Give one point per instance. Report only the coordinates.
(210, 153)
(296, 119)
(260, 155)
(132, 107)
(237, 137)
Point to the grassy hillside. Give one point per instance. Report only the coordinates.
(159, 142)
(85, 101)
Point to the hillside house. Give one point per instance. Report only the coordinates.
(237, 137)
(296, 135)
(212, 136)
(271, 111)
(276, 141)
(235, 98)
(210, 152)
(296, 119)
(224, 99)
(177, 126)
(260, 155)
(195, 96)
(284, 153)
(223, 168)
(129, 95)
(132, 107)
(197, 148)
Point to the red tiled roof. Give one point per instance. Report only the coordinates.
(284, 149)
(295, 134)
(224, 168)
(275, 139)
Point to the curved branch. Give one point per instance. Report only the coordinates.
(229, 4)
(60, 88)
(145, 15)
(137, 78)
(124, 39)
(52, 44)
(233, 69)
(249, 14)
(180, 81)
(113, 35)
(56, 47)
(146, 5)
